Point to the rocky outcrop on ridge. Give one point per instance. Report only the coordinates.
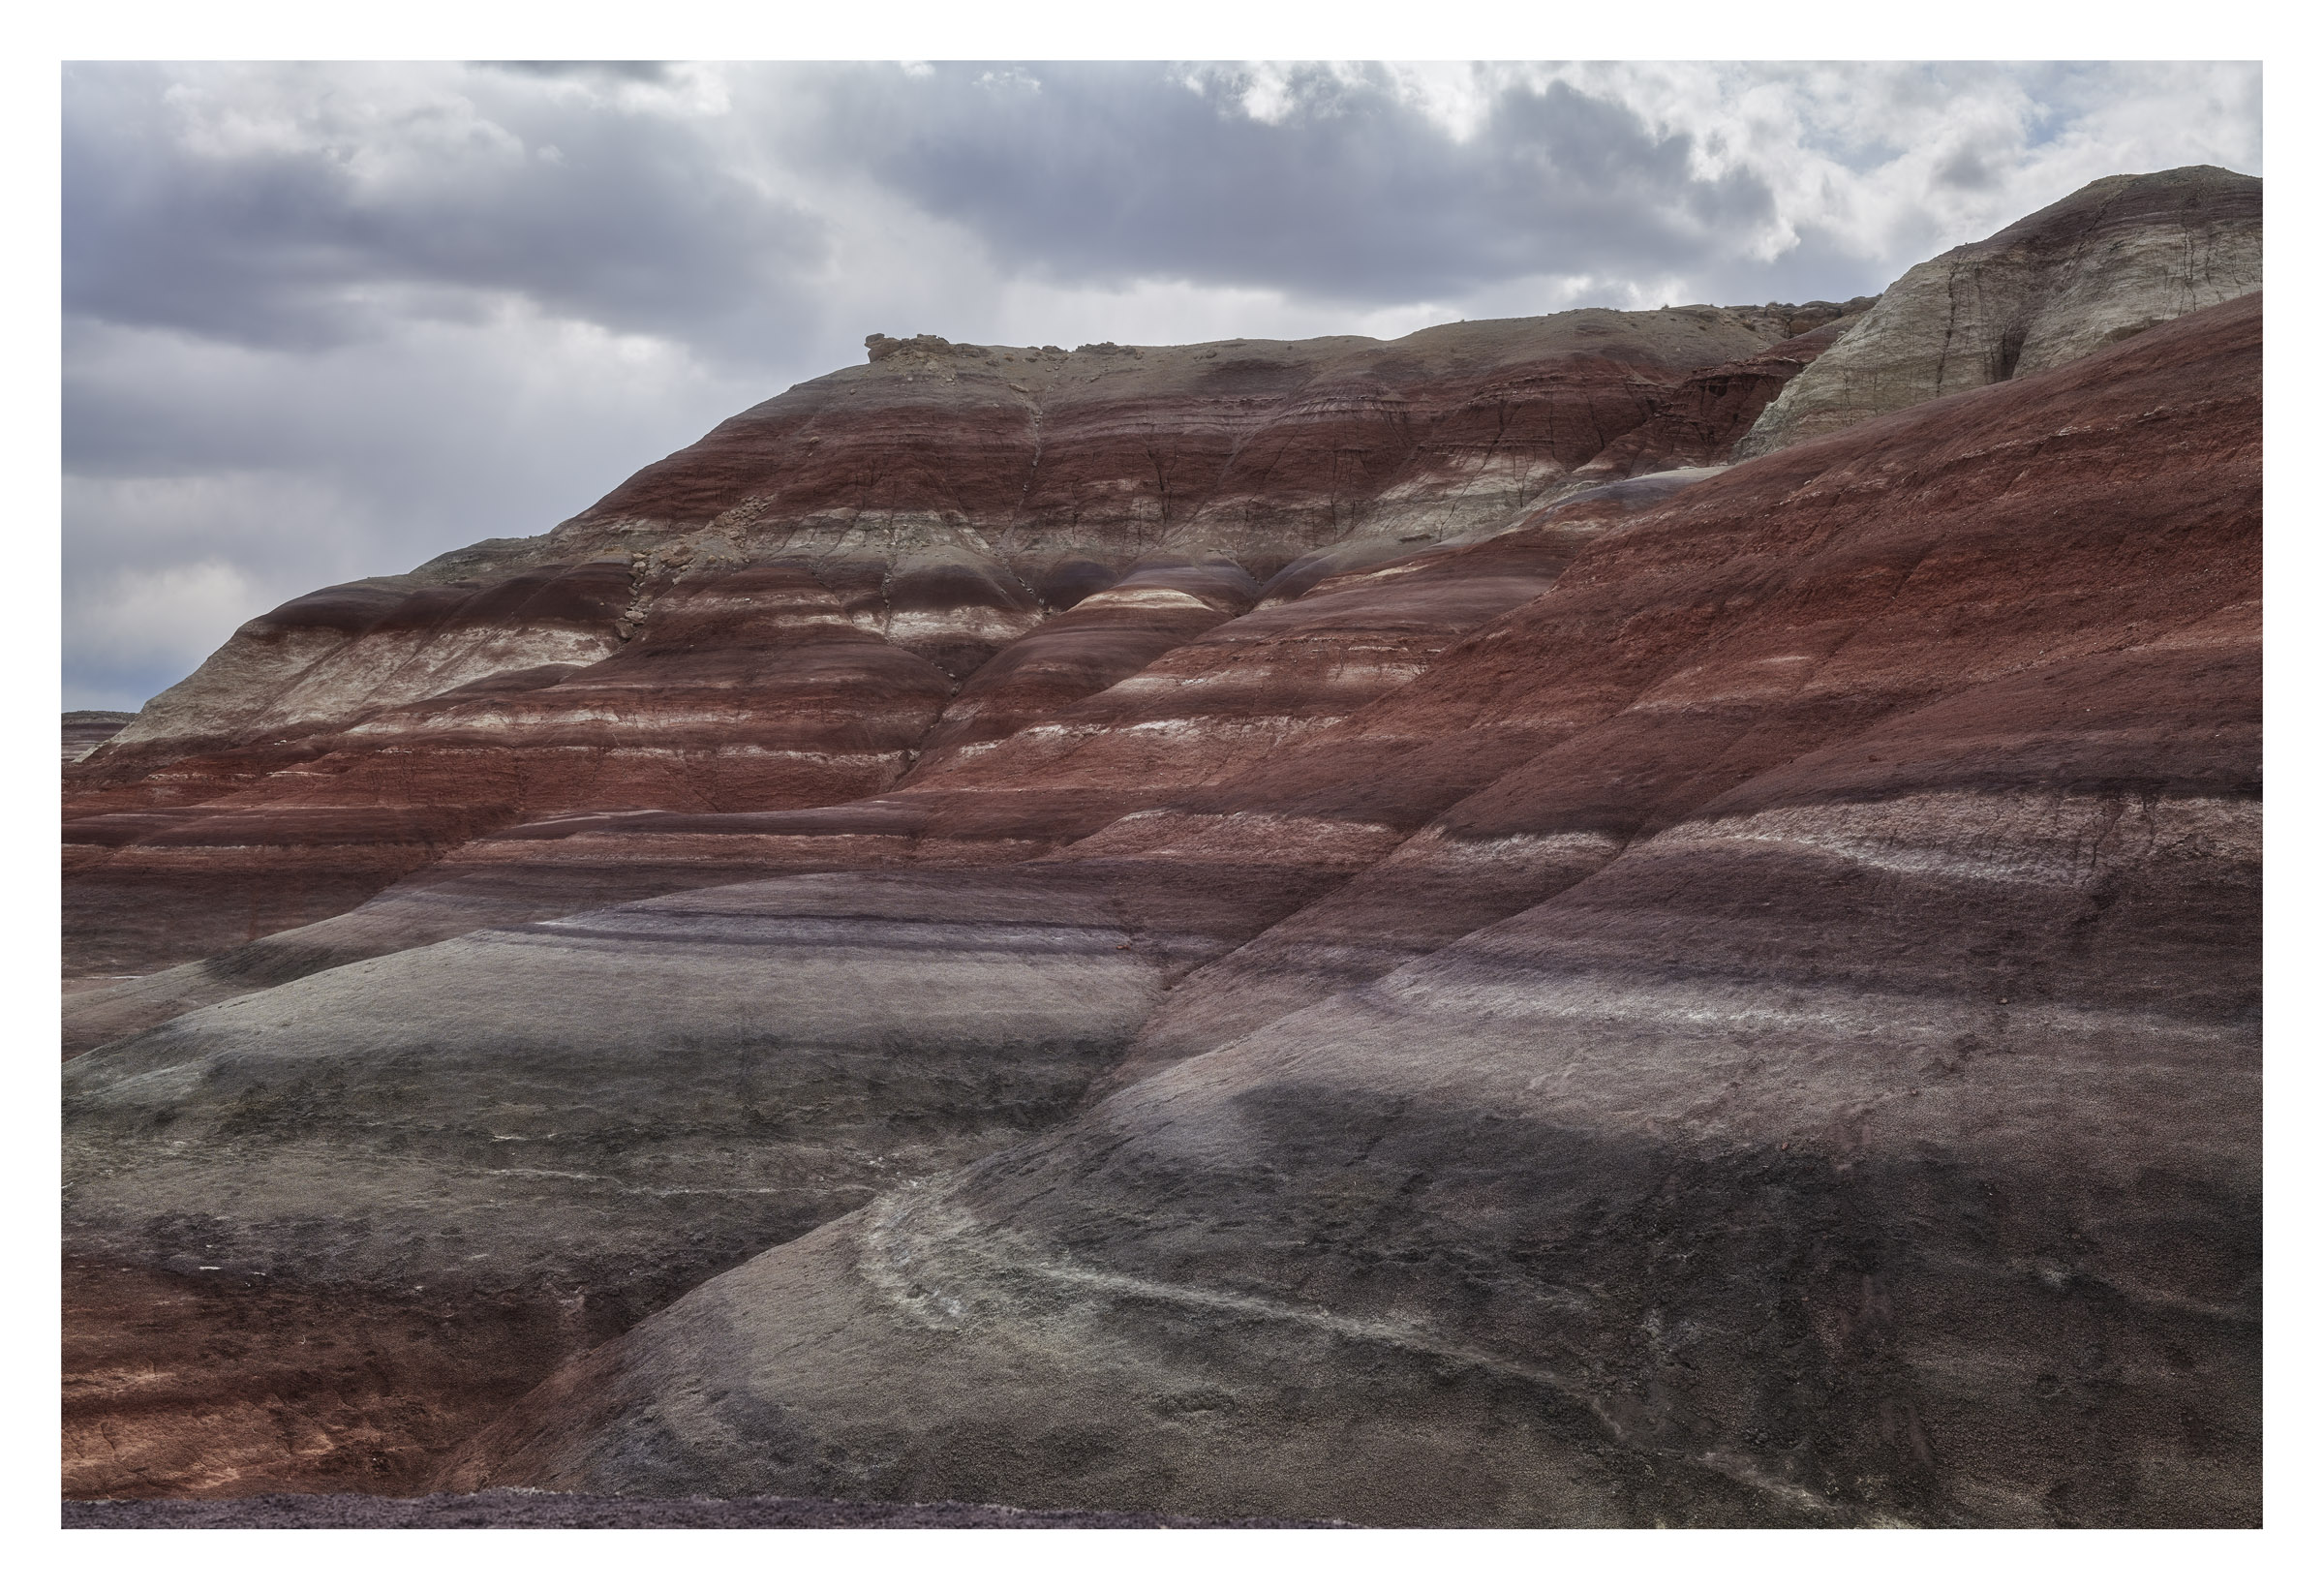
(1718, 995)
(2120, 255)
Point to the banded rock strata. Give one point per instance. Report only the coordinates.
(1206, 932)
(778, 616)
(85, 731)
(1866, 1134)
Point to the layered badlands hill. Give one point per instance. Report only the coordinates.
(794, 611)
(1333, 930)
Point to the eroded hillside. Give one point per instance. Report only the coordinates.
(1325, 930)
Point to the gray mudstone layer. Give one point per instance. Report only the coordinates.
(2119, 257)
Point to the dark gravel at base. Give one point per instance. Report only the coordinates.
(555, 1510)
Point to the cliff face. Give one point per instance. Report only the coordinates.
(2120, 256)
(1325, 930)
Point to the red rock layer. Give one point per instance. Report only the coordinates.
(756, 690)
(201, 1385)
(999, 781)
(1063, 466)
(1703, 656)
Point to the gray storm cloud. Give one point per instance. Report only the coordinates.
(1350, 190)
(319, 221)
(324, 321)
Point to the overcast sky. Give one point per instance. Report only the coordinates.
(328, 321)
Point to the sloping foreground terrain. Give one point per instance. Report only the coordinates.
(1444, 960)
(548, 1510)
